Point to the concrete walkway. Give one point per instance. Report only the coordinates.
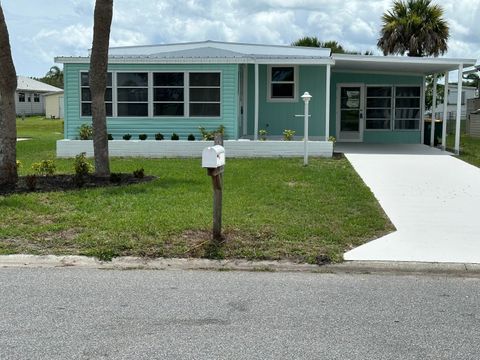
(432, 198)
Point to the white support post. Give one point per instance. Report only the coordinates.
(459, 109)
(327, 103)
(306, 97)
(423, 107)
(445, 112)
(434, 105)
(255, 136)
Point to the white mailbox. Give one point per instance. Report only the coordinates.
(213, 157)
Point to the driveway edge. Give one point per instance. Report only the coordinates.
(136, 263)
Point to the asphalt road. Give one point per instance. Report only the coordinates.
(73, 313)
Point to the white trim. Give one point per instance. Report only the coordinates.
(376, 72)
(295, 84)
(361, 120)
(422, 109)
(401, 59)
(434, 106)
(245, 100)
(255, 135)
(150, 93)
(392, 107)
(459, 109)
(445, 112)
(327, 102)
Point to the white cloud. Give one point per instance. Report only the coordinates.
(64, 28)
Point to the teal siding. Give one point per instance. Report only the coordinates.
(145, 125)
(371, 136)
(278, 116)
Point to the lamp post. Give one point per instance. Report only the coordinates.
(306, 99)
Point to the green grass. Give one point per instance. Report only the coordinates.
(469, 148)
(273, 209)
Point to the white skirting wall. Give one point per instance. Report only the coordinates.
(183, 148)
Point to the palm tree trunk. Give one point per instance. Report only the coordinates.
(8, 126)
(98, 84)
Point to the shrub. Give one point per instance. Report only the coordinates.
(44, 167)
(288, 134)
(110, 137)
(81, 165)
(31, 182)
(191, 137)
(115, 178)
(143, 136)
(139, 173)
(19, 164)
(263, 134)
(85, 132)
(159, 136)
(127, 137)
(175, 137)
(210, 135)
(332, 139)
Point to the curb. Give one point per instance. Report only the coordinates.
(137, 263)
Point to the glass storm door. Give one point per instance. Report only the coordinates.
(350, 113)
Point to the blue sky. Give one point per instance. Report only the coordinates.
(41, 30)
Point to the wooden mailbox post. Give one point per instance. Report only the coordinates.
(213, 159)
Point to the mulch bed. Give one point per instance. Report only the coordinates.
(70, 182)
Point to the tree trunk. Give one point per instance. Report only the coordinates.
(8, 126)
(98, 84)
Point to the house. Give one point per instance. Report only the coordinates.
(249, 87)
(468, 92)
(54, 105)
(30, 96)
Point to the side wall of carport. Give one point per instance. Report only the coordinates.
(375, 136)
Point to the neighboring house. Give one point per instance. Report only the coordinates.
(30, 96)
(247, 88)
(54, 105)
(468, 92)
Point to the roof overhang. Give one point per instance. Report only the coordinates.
(398, 64)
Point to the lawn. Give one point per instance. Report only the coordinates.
(469, 148)
(273, 209)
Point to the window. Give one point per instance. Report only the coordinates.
(204, 94)
(407, 107)
(168, 94)
(132, 94)
(21, 97)
(29, 98)
(282, 83)
(36, 97)
(86, 97)
(378, 108)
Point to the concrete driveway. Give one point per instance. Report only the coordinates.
(432, 198)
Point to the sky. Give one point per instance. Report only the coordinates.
(41, 30)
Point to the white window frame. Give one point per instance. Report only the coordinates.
(394, 113)
(295, 83)
(187, 104)
(185, 96)
(23, 96)
(392, 106)
(90, 102)
(148, 87)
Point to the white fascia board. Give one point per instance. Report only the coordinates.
(403, 60)
(320, 61)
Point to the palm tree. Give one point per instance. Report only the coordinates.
(415, 27)
(98, 84)
(313, 41)
(8, 126)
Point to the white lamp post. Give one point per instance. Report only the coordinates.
(306, 99)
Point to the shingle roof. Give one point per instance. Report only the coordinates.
(28, 84)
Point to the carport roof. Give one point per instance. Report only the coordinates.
(398, 64)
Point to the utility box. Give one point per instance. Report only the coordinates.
(213, 157)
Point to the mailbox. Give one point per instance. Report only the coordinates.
(213, 157)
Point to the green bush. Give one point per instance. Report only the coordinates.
(288, 134)
(263, 134)
(191, 137)
(44, 167)
(81, 165)
(159, 136)
(210, 135)
(175, 137)
(143, 136)
(85, 132)
(127, 137)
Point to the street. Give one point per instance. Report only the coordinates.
(71, 313)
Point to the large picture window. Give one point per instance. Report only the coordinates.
(169, 94)
(407, 107)
(204, 94)
(132, 94)
(86, 97)
(378, 108)
(282, 83)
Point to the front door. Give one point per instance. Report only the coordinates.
(350, 112)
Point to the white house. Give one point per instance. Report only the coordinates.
(468, 92)
(30, 96)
